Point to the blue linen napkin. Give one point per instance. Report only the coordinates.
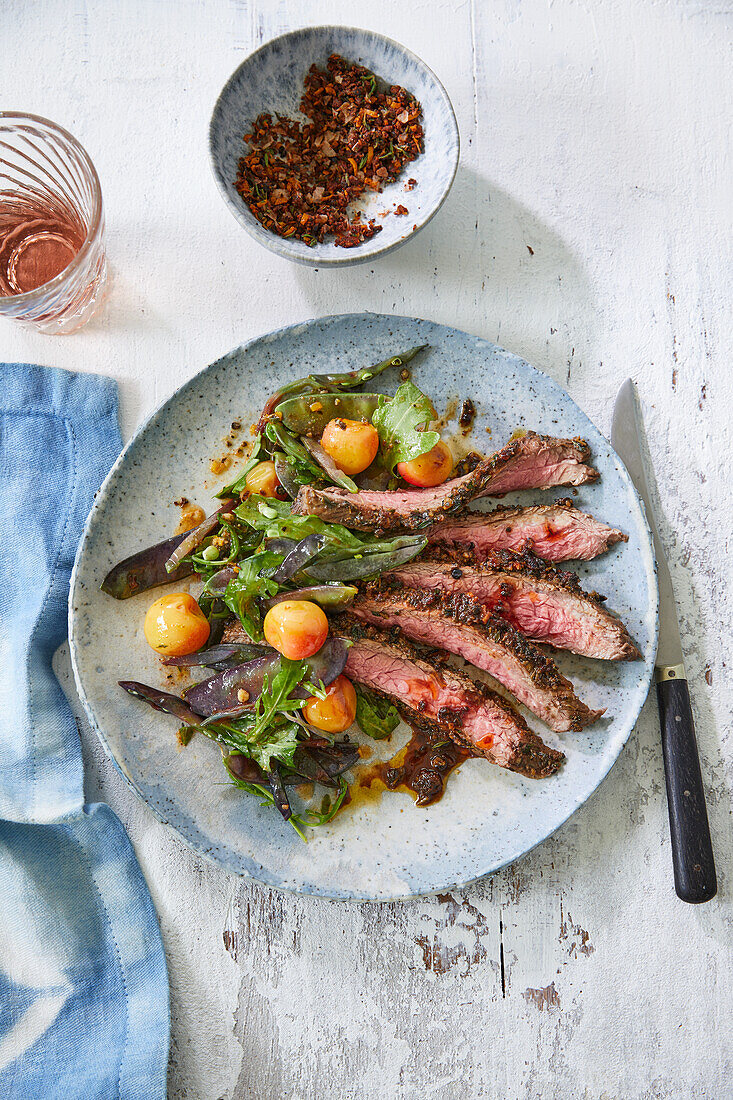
(83, 983)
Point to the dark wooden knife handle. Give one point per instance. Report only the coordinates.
(692, 849)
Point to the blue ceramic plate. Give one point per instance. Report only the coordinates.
(271, 80)
(383, 847)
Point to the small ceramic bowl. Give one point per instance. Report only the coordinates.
(271, 80)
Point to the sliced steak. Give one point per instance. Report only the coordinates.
(444, 700)
(545, 603)
(555, 532)
(462, 626)
(530, 462)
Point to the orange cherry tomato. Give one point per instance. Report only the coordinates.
(296, 628)
(176, 625)
(430, 469)
(352, 444)
(262, 479)
(337, 711)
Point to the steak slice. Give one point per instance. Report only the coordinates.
(462, 626)
(445, 701)
(530, 462)
(555, 532)
(545, 603)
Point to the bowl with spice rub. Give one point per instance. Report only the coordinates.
(333, 145)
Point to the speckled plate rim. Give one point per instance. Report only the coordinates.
(259, 873)
(270, 240)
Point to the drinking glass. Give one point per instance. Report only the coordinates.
(53, 269)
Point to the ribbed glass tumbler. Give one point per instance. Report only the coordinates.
(53, 270)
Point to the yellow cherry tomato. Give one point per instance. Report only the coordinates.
(337, 711)
(352, 444)
(296, 628)
(262, 479)
(176, 625)
(430, 469)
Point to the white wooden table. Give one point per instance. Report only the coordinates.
(587, 231)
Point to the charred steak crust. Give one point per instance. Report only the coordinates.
(521, 562)
(558, 703)
(531, 756)
(556, 532)
(378, 511)
(509, 567)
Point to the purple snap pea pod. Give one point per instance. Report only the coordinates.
(161, 700)
(324, 460)
(325, 665)
(217, 585)
(221, 693)
(302, 553)
(194, 538)
(286, 476)
(329, 596)
(227, 715)
(144, 570)
(325, 763)
(280, 546)
(279, 793)
(242, 767)
(219, 657)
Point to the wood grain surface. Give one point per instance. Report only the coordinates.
(588, 230)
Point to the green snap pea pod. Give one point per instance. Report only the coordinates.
(293, 448)
(354, 378)
(324, 460)
(332, 597)
(331, 568)
(308, 415)
(314, 383)
(347, 381)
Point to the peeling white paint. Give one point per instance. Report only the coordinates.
(595, 135)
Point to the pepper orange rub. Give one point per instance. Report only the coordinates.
(299, 178)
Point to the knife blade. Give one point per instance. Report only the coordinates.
(692, 851)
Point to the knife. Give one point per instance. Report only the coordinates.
(692, 850)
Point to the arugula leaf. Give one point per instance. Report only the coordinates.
(268, 799)
(250, 582)
(276, 698)
(377, 717)
(267, 732)
(401, 421)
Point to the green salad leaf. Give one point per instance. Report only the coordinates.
(401, 422)
(275, 520)
(267, 732)
(376, 717)
(346, 556)
(277, 698)
(250, 582)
